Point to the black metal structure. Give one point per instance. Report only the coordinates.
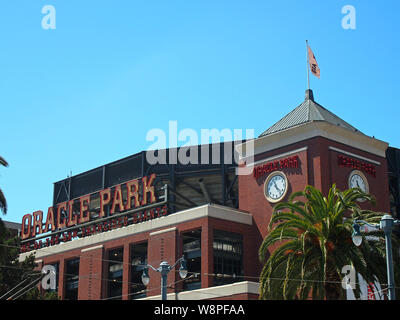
(393, 161)
(189, 185)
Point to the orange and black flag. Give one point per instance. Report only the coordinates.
(313, 63)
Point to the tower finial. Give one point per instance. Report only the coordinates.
(309, 95)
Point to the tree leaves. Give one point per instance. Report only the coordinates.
(314, 238)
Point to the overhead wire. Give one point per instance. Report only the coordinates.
(194, 274)
(30, 286)
(93, 276)
(207, 274)
(13, 288)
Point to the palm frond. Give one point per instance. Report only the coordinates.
(3, 203)
(314, 243)
(3, 162)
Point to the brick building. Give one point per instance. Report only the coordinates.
(107, 223)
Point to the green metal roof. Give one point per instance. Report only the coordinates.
(308, 111)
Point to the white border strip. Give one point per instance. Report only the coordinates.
(92, 248)
(277, 156)
(162, 231)
(171, 220)
(354, 155)
(213, 292)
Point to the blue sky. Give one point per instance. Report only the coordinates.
(87, 92)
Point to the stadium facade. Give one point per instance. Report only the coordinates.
(106, 224)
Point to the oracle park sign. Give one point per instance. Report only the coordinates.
(128, 203)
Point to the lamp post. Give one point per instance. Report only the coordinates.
(386, 224)
(164, 269)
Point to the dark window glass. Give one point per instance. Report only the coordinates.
(115, 269)
(192, 252)
(228, 257)
(138, 262)
(71, 279)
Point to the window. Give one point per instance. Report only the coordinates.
(71, 279)
(138, 262)
(192, 252)
(228, 257)
(115, 269)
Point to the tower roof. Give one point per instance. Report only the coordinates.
(307, 111)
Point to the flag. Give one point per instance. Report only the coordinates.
(313, 63)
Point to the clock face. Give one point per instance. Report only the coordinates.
(358, 180)
(275, 187)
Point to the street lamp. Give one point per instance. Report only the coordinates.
(164, 269)
(356, 236)
(386, 224)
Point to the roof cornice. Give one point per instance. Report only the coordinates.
(313, 129)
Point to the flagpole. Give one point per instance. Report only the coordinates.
(308, 67)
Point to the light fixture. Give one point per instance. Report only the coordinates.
(164, 269)
(145, 276)
(386, 224)
(356, 236)
(183, 271)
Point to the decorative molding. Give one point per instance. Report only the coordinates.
(204, 211)
(162, 231)
(92, 248)
(213, 292)
(310, 130)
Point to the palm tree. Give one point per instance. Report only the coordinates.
(3, 202)
(311, 242)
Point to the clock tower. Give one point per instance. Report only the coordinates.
(311, 146)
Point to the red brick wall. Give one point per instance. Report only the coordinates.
(318, 167)
(378, 185)
(92, 271)
(163, 246)
(251, 190)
